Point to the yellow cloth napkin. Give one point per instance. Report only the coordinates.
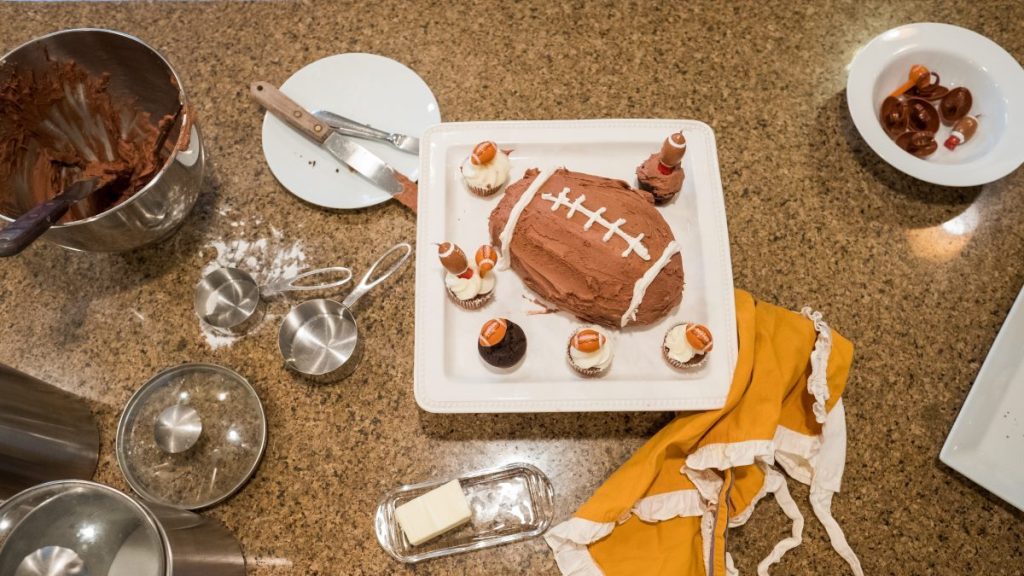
(667, 510)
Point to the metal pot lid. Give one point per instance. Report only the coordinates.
(191, 436)
(79, 528)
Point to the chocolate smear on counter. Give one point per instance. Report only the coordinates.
(62, 124)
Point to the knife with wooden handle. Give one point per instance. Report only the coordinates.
(344, 149)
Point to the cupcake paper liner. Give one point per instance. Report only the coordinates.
(483, 192)
(696, 362)
(585, 372)
(693, 364)
(472, 303)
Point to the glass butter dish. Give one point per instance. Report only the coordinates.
(508, 504)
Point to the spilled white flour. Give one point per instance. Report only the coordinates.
(266, 259)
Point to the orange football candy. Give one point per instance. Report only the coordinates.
(484, 152)
(587, 340)
(493, 331)
(699, 337)
(486, 257)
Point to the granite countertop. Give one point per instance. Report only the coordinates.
(815, 219)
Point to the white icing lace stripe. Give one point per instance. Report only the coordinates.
(640, 288)
(634, 243)
(449, 251)
(513, 217)
(593, 216)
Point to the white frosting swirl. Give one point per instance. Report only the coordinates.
(469, 288)
(678, 346)
(486, 282)
(600, 358)
(487, 176)
(463, 288)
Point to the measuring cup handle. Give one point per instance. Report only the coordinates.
(366, 284)
(290, 284)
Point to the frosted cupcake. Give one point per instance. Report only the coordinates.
(468, 286)
(662, 173)
(687, 345)
(486, 170)
(590, 351)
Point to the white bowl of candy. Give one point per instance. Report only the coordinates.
(940, 103)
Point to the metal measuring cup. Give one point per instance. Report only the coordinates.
(229, 300)
(320, 338)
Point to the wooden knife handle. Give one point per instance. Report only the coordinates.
(276, 102)
(409, 195)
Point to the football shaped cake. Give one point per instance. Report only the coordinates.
(590, 245)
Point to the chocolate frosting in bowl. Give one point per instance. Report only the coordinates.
(570, 265)
(662, 186)
(61, 125)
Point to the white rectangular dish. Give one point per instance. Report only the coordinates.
(449, 374)
(987, 439)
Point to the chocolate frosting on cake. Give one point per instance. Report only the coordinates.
(663, 187)
(573, 267)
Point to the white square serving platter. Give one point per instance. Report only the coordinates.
(987, 439)
(450, 376)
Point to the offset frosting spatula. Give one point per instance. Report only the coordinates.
(19, 234)
(347, 151)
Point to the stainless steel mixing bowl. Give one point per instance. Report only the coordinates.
(157, 210)
(80, 528)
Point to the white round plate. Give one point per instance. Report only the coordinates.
(961, 58)
(367, 88)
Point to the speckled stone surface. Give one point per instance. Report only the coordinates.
(815, 219)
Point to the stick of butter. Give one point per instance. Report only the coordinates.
(433, 513)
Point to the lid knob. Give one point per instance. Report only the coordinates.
(177, 428)
(52, 561)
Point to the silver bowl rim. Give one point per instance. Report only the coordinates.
(139, 505)
(170, 159)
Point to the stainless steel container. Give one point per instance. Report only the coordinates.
(80, 528)
(320, 338)
(230, 301)
(45, 434)
(157, 210)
